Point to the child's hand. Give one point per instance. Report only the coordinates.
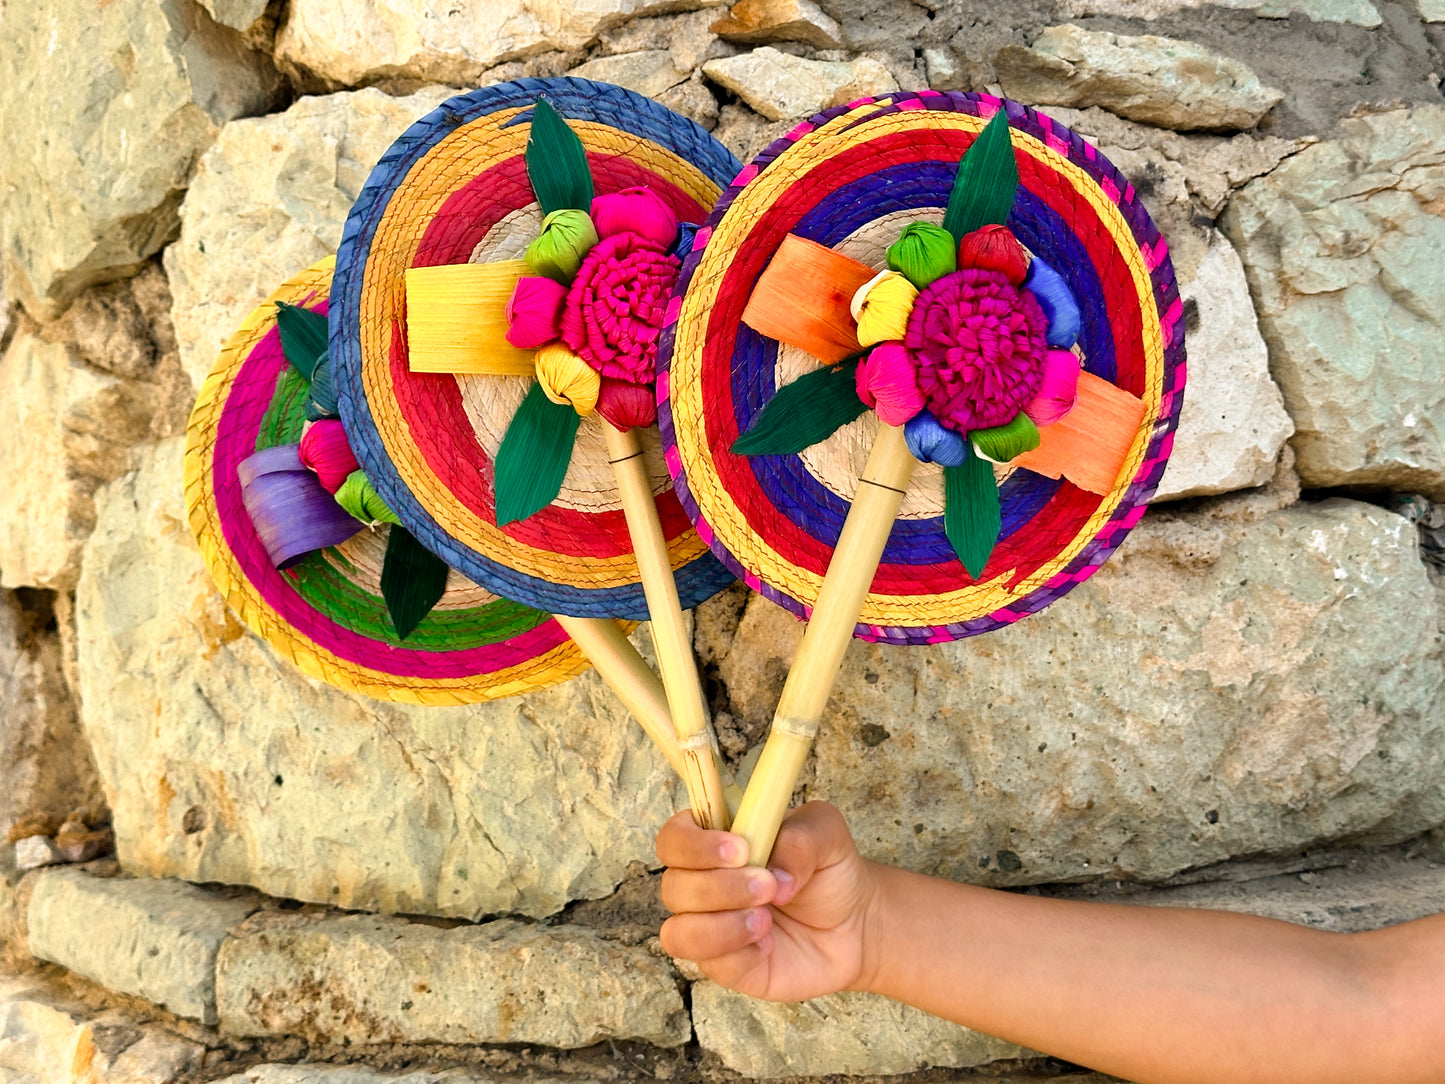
(799, 929)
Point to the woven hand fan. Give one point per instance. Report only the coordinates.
(524, 456)
(253, 503)
(986, 282)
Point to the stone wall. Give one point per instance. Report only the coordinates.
(1253, 688)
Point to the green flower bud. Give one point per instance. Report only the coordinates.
(923, 253)
(567, 236)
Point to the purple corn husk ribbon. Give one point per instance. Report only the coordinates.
(292, 512)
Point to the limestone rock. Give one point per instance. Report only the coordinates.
(648, 72)
(64, 428)
(779, 85)
(415, 40)
(1217, 689)
(845, 1033)
(237, 14)
(156, 939)
(224, 764)
(36, 852)
(1163, 81)
(268, 200)
(1363, 893)
(688, 37)
(762, 22)
(46, 1038)
(94, 167)
(692, 100)
(1341, 245)
(368, 979)
(1359, 12)
(1233, 422)
(320, 1073)
(45, 765)
(1432, 11)
(745, 133)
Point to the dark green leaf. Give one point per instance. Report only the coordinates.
(971, 516)
(412, 580)
(533, 458)
(321, 403)
(987, 179)
(303, 336)
(1003, 442)
(810, 409)
(557, 163)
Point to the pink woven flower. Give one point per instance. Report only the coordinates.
(615, 308)
(979, 346)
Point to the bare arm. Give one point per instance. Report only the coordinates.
(1154, 995)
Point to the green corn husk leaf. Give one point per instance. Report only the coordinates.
(557, 163)
(303, 336)
(413, 579)
(986, 182)
(1003, 442)
(533, 458)
(810, 409)
(321, 402)
(971, 516)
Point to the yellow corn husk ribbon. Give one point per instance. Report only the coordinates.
(360, 499)
(567, 236)
(567, 379)
(456, 319)
(882, 307)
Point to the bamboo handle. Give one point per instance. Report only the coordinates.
(820, 655)
(609, 650)
(695, 739)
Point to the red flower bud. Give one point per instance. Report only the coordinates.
(994, 248)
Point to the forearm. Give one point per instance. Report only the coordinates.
(1155, 995)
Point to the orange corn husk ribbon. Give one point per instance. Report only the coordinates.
(1089, 444)
(456, 319)
(802, 299)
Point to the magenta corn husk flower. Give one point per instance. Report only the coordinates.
(978, 344)
(1056, 393)
(614, 311)
(325, 449)
(635, 210)
(626, 405)
(534, 312)
(888, 382)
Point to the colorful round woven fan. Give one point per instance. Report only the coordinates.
(325, 612)
(851, 180)
(454, 190)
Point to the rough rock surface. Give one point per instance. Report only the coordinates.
(1219, 688)
(156, 939)
(1233, 422)
(844, 1033)
(416, 40)
(1364, 893)
(648, 71)
(237, 14)
(366, 979)
(45, 1039)
(64, 428)
(1359, 12)
(45, 763)
(268, 200)
(1341, 245)
(779, 85)
(358, 1074)
(762, 22)
(93, 168)
(1163, 81)
(224, 764)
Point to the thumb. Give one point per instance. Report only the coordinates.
(813, 837)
